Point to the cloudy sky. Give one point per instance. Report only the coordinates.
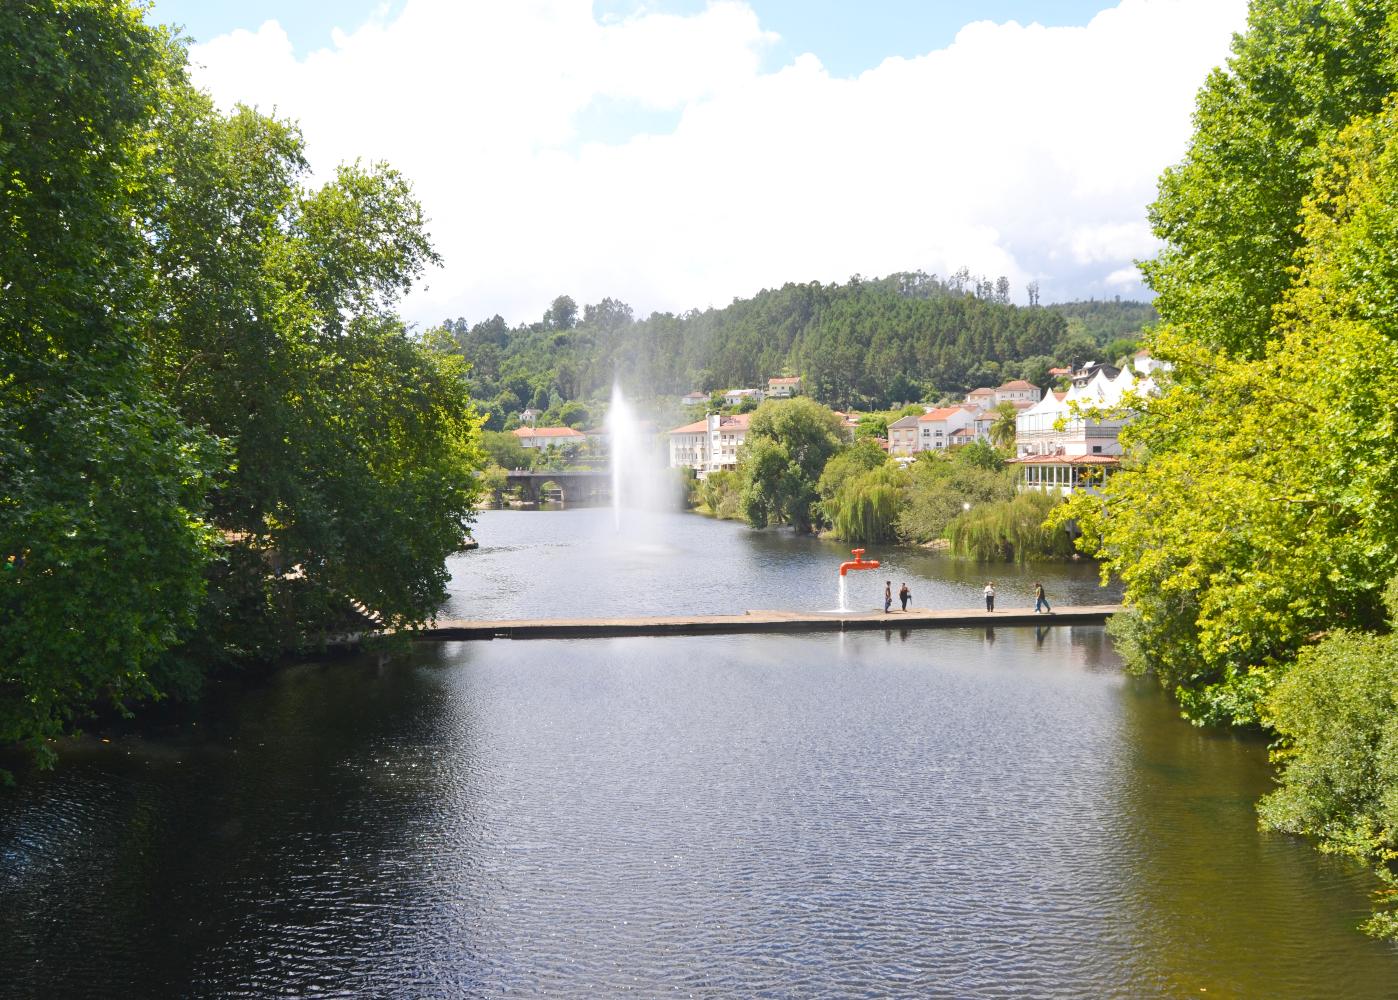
(678, 154)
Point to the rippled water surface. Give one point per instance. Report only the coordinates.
(574, 562)
(962, 814)
(947, 814)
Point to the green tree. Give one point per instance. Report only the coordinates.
(1230, 213)
(102, 514)
(787, 446)
(861, 456)
(1257, 537)
(1005, 425)
(352, 442)
(865, 508)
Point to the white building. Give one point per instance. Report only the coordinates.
(902, 436)
(935, 428)
(709, 445)
(733, 397)
(695, 398)
(1018, 391)
(783, 386)
(1062, 450)
(981, 398)
(542, 437)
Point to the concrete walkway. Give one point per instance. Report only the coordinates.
(757, 621)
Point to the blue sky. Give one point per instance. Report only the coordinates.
(678, 153)
(849, 36)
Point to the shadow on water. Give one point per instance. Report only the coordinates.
(940, 815)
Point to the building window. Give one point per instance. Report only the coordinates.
(1096, 449)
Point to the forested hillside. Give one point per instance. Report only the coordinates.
(861, 344)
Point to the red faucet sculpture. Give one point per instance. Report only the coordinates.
(859, 562)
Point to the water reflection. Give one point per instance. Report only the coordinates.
(832, 815)
(574, 563)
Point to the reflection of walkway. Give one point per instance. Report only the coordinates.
(756, 621)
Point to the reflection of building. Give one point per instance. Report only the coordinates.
(542, 437)
(709, 445)
(783, 387)
(1061, 445)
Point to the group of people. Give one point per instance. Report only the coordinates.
(1040, 598)
(1041, 603)
(904, 595)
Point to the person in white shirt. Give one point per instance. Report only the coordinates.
(990, 596)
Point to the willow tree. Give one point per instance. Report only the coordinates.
(865, 509)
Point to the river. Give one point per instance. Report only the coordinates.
(963, 813)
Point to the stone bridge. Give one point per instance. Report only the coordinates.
(578, 486)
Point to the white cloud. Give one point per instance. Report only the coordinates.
(1021, 150)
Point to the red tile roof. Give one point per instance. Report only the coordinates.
(784, 380)
(1067, 460)
(941, 413)
(737, 422)
(1018, 383)
(547, 432)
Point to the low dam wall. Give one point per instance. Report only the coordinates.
(757, 621)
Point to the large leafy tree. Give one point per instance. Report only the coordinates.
(788, 445)
(101, 485)
(1229, 213)
(1263, 510)
(215, 434)
(352, 442)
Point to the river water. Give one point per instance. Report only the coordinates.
(963, 813)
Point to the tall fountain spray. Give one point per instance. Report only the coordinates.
(640, 479)
(625, 443)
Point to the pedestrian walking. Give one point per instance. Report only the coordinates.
(887, 595)
(1040, 600)
(905, 595)
(990, 596)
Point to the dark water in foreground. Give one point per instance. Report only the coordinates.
(948, 814)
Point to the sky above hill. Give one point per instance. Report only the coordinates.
(677, 154)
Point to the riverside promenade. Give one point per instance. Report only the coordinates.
(758, 621)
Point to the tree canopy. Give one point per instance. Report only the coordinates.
(215, 433)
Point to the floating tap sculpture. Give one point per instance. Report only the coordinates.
(859, 562)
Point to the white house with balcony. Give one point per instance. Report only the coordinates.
(709, 445)
(935, 428)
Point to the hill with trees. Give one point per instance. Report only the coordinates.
(861, 344)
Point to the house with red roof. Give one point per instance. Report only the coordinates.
(542, 437)
(783, 386)
(935, 427)
(709, 445)
(1018, 391)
